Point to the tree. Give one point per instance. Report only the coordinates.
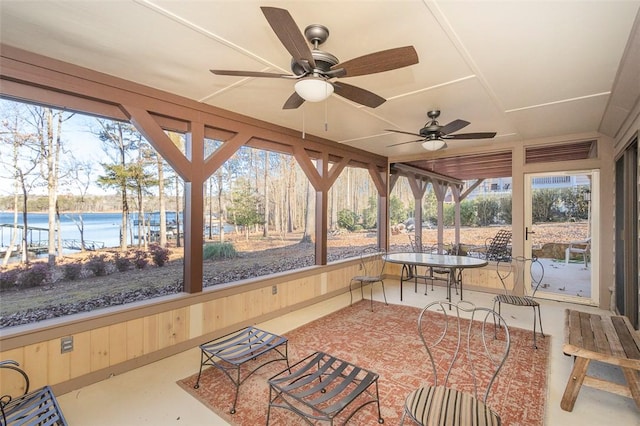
(265, 232)
(505, 209)
(79, 176)
(370, 214)
(430, 206)
(22, 164)
(487, 209)
(398, 213)
(179, 142)
(139, 180)
(542, 205)
(118, 140)
(51, 147)
(243, 211)
(309, 220)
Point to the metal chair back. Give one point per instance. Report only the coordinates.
(470, 341)
(372, 260)
(515, 268)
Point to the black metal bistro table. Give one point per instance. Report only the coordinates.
(454, 263)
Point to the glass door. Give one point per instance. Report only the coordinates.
(559, 230)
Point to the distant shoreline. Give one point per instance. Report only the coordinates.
(63, 213)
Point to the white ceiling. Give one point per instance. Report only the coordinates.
(525, 69)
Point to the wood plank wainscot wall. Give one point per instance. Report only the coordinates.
(114, 340)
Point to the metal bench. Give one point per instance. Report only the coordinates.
(608, 339)
(38, 407)
(230, 352)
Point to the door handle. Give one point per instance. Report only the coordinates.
(527, 232)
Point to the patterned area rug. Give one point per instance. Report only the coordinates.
(384, 341)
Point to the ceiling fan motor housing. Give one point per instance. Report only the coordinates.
(324, 62)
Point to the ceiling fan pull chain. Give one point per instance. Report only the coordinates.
(326, 115)
(303, 132)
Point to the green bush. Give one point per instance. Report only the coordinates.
(214, 251)
(467, 214)
(347, 219)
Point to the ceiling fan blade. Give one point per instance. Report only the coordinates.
(403, 132)
(485, 135)
(384, 60)
(402, 143)
(289, 34)
(454, 126)
(251, 74)
(293, 102)
(358, 95)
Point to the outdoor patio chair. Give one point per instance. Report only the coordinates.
(582, 247)
(432, 273)
(442, 273)
(516, 269)
(473, 352)
(495, 248)
(372, 263)
(38, 407)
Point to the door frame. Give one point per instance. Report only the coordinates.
(595, 235)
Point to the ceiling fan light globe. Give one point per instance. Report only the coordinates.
(434, 144)
(313, 89)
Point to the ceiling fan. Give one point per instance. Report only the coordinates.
(313, 68)
(433, 135)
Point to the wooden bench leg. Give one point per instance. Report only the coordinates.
(574, 383)
(634, 383)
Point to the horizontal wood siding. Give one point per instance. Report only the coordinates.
(126, 344)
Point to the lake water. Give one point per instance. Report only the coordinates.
(100, 227)
(103, 228)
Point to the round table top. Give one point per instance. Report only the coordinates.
(429, 259)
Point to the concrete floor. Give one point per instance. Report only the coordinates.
(566, 279)
(149, 395)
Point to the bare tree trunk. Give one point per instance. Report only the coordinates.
(307, 236)
(265, 232)
(50, 148)
(290, 194)
(16, 188)
(25, 243)
(210, 199)
(220, 209)
(59, 228)
(178, 243)
(163, 212)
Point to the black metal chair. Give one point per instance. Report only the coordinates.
(372, 261)
(515, 268)
(473, 350)
(495, 248)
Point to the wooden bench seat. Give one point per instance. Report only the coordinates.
(608, 339)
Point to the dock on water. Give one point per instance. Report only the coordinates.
(37, 240)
